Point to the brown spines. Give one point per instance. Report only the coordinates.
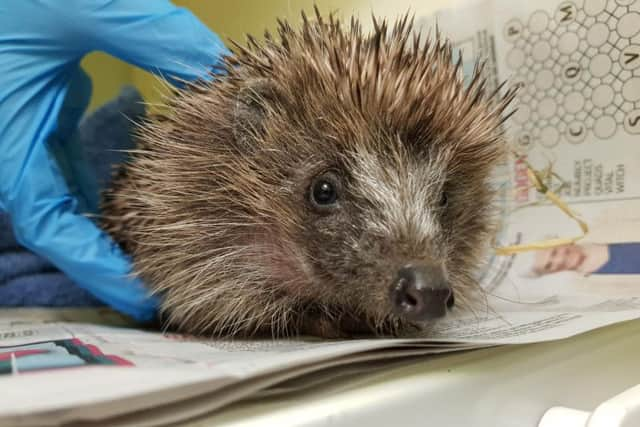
(387, 73)
(408, 84)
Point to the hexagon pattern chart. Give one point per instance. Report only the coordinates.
(579, 71)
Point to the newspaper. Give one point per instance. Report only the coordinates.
(578, 67)
(55, 371)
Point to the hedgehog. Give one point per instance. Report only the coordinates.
(325, 181)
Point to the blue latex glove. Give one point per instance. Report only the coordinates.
(44, 93)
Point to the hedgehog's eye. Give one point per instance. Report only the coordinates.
(444, 199)
(324, 191)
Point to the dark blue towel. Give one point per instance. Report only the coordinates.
(27, 280)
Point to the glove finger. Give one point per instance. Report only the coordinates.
(46, 221)
(156, 36)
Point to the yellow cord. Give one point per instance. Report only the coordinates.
(555, 199)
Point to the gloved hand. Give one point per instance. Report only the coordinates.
(43, 95)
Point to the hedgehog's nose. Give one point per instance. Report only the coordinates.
(421, 293)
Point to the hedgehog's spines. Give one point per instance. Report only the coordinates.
(209, 210)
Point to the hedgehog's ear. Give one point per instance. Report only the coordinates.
(251, 108)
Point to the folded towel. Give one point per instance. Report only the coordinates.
(26, 279)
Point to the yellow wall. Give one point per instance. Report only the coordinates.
(108, 75)
(232, 20)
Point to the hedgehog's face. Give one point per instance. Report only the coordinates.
(386, 226)
(388, 240)
(379, 236)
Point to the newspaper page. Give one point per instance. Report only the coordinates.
(578, 67)
(54, 372)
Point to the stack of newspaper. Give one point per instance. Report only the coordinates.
(578, 65)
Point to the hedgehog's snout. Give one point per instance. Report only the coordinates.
(420, 293)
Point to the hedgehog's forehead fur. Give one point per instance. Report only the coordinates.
(214, 204)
